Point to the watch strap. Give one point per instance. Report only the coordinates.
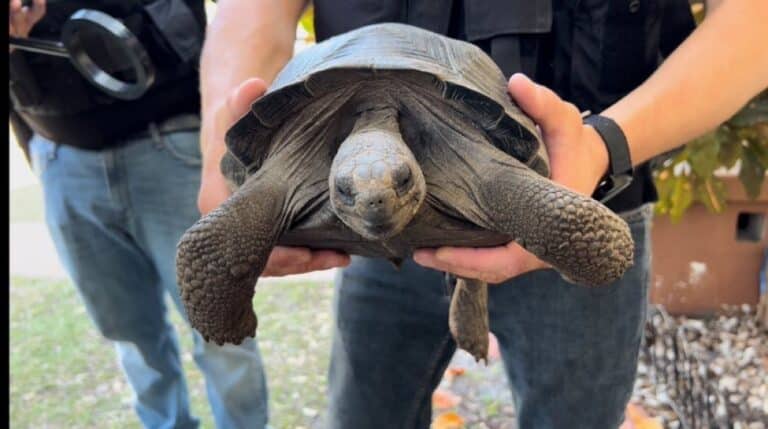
(620, 172)
(615, 141)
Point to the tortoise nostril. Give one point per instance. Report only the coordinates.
(377, 206)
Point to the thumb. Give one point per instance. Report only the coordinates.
(545, 107)
(240, 99)
(37, 11)
(527, 94)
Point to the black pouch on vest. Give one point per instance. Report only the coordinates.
(488, 18)
(66, 108)
(175, 29)
(507, 30)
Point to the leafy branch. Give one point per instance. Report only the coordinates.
(691, 175)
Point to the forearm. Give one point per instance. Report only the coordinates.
(247, 38)
(705, 81)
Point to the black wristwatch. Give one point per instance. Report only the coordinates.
(620, 171)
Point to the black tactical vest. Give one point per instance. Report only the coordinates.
(591, 52)
(51, 98)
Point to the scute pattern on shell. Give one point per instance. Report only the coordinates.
(461, 72)
(477, 176)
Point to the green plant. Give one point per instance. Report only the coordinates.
(307, 21)
(739, 145)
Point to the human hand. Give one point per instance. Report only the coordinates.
(215, 123)
(578, 160)
(21, 18)
(214, 190)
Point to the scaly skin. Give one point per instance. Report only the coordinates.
(468, 317)
(581, 238)
(220, 258)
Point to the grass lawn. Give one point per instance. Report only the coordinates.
(64, 375)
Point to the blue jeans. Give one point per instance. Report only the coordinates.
(570, 352)
(115, 217)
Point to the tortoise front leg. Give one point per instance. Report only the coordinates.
(468, 317)
(581, 238)
(220, 258)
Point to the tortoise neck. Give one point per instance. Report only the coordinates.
(380, 118)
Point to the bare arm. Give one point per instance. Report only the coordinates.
(247, 39)
(706, 80)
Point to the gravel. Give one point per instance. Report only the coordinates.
(721, 379)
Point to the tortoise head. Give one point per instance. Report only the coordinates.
(375, 183)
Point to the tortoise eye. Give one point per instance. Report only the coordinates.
(402, 178)
(344, 190)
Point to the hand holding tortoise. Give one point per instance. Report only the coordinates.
(578, 160)
(378, 142)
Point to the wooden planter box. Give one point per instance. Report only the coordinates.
(707, 260)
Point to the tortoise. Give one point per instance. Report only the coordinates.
(376, 142)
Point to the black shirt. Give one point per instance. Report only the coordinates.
(590, 52)
(54, 100)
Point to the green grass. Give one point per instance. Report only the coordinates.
(63, 374)
(26, 204)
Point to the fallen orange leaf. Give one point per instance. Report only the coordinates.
(649, 423)
(449, 420)
(635, 412)
(453, 372)
(638, 418)
(442, 399)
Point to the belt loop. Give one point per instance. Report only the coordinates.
(55, 152)
(154, 133)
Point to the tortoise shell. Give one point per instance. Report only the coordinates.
(377, 142)
(457, 72)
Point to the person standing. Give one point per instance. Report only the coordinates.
(651, 84)
(120, 181)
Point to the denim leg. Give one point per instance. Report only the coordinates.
(570, 352)
(115, 278)
(163, 181)
(391, 345)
